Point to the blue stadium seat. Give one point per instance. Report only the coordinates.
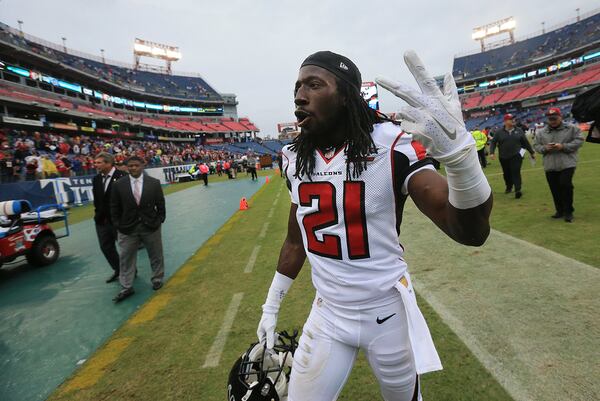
(521, 53)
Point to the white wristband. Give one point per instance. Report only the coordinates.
(279, 287)
(468, 186)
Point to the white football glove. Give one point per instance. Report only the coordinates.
(433, 117)
(266, 327)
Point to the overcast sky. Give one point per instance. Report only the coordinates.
(253, 48)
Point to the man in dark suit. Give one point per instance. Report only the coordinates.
(510, 140)
(138, 210)
(102, 188)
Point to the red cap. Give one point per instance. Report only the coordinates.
(508, 116)
(553, 111)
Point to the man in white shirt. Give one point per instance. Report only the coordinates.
(138, 210)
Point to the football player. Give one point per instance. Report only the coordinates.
(349, 173)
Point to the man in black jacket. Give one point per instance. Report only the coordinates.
(102, 185)
(510, 140)
(138, 210)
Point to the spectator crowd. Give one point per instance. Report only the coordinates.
(31, 156)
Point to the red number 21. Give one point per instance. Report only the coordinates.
(327, 216)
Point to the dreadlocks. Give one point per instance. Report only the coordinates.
(359, 119)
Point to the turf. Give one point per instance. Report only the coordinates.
(528, 218)
(164, 356)
(529, 314)
(495, 311)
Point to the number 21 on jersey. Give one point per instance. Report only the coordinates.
(326, 215)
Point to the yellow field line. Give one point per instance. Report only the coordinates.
(150, 310)
(94, 369)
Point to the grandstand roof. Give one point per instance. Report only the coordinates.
(579, 35)
(187, 86)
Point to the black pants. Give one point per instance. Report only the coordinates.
(482, 159)
(511, 170)
(205, 178)
(107, 237)
(561, 186)
(253, 172)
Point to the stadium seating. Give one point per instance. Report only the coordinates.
(544, 86)
(529, 116)
(185, 87)
(167, 122)
(545, 46)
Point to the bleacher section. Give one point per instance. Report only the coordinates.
(529, 116)
(185, 87)
(538, 48)
(540, 87)
(272, 147)
(76, 107)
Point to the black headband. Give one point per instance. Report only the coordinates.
(340, 66)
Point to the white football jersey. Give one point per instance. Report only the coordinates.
(350, 228)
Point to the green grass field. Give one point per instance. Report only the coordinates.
(160, 352)
(528, 218)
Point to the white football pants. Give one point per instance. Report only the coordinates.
(330, 341)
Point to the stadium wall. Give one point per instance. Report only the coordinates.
(73, 190)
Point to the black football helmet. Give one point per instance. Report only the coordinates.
(261, 374)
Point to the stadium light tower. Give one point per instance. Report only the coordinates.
(506, 25)
(102, 52)
(578, 16)
(64, 40)
(155, 50)
(20, 26)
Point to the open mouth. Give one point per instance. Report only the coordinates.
(302, 117)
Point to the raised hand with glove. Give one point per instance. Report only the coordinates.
(434, 118)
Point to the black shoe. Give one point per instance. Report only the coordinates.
(157, 285)
(114, 277)
(123, 294)
(508, 190)
(557, 215)
(569, 218)
(518, 195)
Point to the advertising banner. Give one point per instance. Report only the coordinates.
(73, 190)
(167, 175)
(62, 190)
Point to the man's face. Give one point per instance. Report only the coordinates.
(554, 121)
(102, 166)
(318, 104)
(509, 124)
(135, 168)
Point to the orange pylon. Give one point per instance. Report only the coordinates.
(243, 204)
(267, 180)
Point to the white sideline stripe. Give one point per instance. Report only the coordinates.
(270, 213)
(252, 260)
(560, 258)
(263, 232)
(504, 375)
(541, 168)
(214, 354)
